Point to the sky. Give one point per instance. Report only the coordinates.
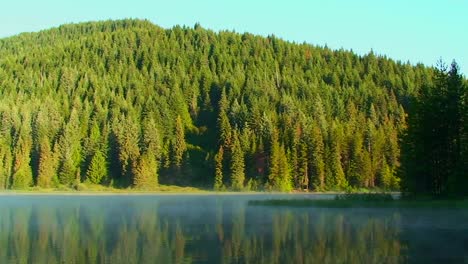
(407, 30)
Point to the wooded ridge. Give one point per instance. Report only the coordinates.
(129, 104)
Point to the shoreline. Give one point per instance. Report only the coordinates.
(158, 193)
(150, 193)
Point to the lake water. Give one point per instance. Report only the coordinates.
(221, 229)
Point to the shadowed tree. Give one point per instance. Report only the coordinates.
(433, 161)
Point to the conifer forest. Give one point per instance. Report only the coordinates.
(128, 104)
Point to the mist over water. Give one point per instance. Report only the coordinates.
(221, 229)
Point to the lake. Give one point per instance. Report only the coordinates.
(221, 229)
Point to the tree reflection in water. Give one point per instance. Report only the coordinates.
(151, 230)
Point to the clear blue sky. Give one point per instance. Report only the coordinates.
(414, 30)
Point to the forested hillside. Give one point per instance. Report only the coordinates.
(129, 104)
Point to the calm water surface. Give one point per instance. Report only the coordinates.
(221, 229)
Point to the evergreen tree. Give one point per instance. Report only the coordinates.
(279, 177)
(22, 172)
(237, 164)
(224, 125)
(303, 164)
(225, 141)
(151, 137)
(97, 170)
(179, 146)
(70, 151)
(145, 172)
(317, 164)
(48, 161)
(141, 94)
(433, 162)
(359, 171)
(218, 181)
(335, 175)
(5, 167)
(128, 136)
(285, 181)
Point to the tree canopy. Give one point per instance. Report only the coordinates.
(127, 103)
(435, 160)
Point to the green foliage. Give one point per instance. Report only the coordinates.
(70, 151)
(317, 161)
(303, 166)
(434, 144)
(179, 145)
(22, 173)
(5, 159)
(158, 103)
(47, 167)
(218, 182)
(279, 177)
(127, 132)
(97, 170)
(237, 164)
(388, 178)
(145, 172)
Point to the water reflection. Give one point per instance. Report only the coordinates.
(214, 230)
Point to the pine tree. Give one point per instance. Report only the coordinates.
(359, 172)
(279, 177)
(5, 166)
(237, 164)
(215, 82)
(335, 170)
(457, 112)
(22, 172)
(151, 137)
(127, 132)
(435, 138)
(335, 176)
(218, 181)
(179, 146)
(6, 155)
(274, 162)
(145, 172)
(70, 151)
(303, 164)
(224, 125)
(225, 141)
(97, 170)
(293, 158)
(387, 178)
(317, 165)
(47, 169)
(285, 181)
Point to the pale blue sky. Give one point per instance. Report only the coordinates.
(414, 30)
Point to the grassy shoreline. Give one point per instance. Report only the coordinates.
(101, 190)
(367, 201)
(177, 191)
(93, 189)
(160, 190)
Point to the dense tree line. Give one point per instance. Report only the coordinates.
(435, 156)
(127, 103)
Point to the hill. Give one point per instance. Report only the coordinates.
(127, 103)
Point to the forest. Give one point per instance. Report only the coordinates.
(129, 104)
